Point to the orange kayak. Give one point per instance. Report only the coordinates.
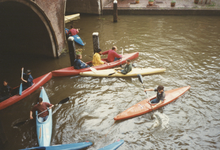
(144, 106)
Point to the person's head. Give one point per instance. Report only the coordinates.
(40, 100)
(99, 51)
(71, 27)
(78, 56)
(28, 71)
(5, 82)
(128, 61)
(160, 88)
(114, 48)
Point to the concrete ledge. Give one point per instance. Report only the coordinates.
(174, 12)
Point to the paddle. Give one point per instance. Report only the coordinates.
(93, 69)
(141, 80)
(20, 88)
(23, 122)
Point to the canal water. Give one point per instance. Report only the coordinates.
(187, 46)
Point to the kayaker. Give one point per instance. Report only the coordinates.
(127, 68)
(27, 80)
(5, 91)
(78, 63)
(40, 107)
(160, 95)
(112, 54)
(73, 31)
(96, 61)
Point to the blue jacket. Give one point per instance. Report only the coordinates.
(78, 64)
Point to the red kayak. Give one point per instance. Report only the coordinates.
(144, 106)
(70, 71)
(36, 84)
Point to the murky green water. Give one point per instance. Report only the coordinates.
(187, 46)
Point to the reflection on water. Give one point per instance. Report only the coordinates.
(188, 47)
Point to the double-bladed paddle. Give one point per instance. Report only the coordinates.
(20, 88)
(23, 122)
(141, 80)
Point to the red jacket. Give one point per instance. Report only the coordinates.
(73, 31)
(111, 55)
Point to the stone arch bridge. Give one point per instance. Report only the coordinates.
(32, 26)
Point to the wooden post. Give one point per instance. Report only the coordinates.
(95, 36)
(72, 50)
(115, 11)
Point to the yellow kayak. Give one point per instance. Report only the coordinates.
(114, 73)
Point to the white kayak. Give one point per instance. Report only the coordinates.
(114, 73)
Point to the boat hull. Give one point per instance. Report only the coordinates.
(44, 129)
(72, 146)
(133, 73)
(145, 107)
(77, 39)
(70, 71)
(113, 146)
(36, 84)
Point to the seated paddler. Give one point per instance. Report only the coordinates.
(96, 61)
(127, 68)
(41, 107)
(4, 91)
(78, 63)
(160, 95)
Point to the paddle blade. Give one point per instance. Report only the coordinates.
(140, 78)
(20, 123)
(20, 89)
(93, 70)
(111, 73)
(64, 100)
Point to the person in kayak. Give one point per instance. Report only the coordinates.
(5, 91)
(27, 80)
(96, 61)
(40, 107)
(112, 54)
(73, 31)
(78, 63)
(127, 68)
(160, 95)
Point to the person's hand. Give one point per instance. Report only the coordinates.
(31, 117)
(51, 106)
(145, 90)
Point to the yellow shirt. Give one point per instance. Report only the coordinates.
(97, 60)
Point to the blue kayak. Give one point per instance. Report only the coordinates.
(44, 129)
(113, 146)
(72, 146)
(77, 39)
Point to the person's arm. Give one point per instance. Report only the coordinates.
(105, 52)
(157, 104)
(23, 78)
(127, 69)
(117, 55)
(148, 90)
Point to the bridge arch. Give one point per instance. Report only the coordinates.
(24, 26)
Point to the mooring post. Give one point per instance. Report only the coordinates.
(72, 50)
(95, 37)
(115, 11)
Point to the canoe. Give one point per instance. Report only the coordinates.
(71, 17)
(70, 71)
(36, 84)
(72, 146)
(113, 146)
(77, 39)
(114, 73)
(44, 129)
(144, 106)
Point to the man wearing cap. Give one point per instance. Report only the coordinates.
(27, 80)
